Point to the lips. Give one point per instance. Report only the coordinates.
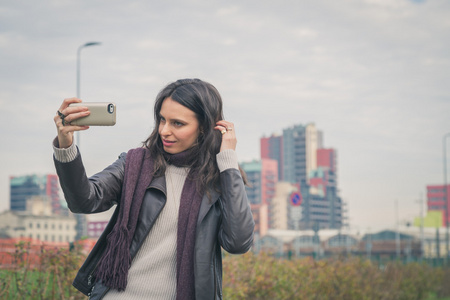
(167, 143)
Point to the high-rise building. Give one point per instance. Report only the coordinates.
(327, 159)
(300, 144)
(260, 214)
(272, 148)
(262, 176)
(313, 169)
(23, 188)
(322, 206)
(438, 199)
(282, 212)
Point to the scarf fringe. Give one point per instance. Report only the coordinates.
(116, 260)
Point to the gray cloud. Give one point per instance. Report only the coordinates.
(371, 74)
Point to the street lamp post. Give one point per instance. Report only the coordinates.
(444, 143)
(78, 75)
(81, 219)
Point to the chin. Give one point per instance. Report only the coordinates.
(171, 151)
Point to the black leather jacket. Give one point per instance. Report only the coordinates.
(224, 220)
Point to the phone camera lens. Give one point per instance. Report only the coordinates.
(110, 108)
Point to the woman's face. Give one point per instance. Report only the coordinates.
(178, 128)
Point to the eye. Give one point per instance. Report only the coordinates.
(161, 119)
(178, 124)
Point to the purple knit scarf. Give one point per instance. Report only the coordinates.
(113, 266)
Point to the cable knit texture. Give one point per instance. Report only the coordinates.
(112, 268)
(114, 264)
(153, 271)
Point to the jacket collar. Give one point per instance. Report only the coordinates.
(159, 183)
(207, 202)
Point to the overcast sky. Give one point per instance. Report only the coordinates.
(373, 75)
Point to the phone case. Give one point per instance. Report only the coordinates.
(102, 114)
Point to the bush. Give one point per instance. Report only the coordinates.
(246, 276)
(262, 276)
(50, 278)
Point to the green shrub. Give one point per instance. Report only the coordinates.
(50, 278)
(246, 276)
(262, 276)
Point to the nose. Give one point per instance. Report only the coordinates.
(164, 129)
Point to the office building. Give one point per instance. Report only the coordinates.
(260, 214)
(300, 144)
(438, 200)
(312, 169)
(23, 188)
(327, 161)
(262, 176)
(272, 148)
(38, 222)
(281, 210)
(95, 228)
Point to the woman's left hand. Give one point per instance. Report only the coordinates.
(228, 135)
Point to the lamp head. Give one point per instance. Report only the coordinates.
(91, 44)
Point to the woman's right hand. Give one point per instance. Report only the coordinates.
(65, 131)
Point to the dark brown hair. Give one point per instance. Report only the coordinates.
(205, 101)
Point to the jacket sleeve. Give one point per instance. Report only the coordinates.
(90, 195)
(236, 231)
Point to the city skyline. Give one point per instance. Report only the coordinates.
(371, 74)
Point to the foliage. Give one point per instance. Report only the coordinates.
(246, 276)
(51, 278)
(262, 276)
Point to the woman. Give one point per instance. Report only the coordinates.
(180, 198)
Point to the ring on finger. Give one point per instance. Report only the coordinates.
(61, 115)
(223, 131)
(229, 129)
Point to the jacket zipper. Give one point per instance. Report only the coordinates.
(91, 274)
(89, 280)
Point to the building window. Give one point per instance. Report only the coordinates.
(45, 225)
(31, 225)
(38, 225)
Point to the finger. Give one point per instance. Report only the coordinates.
(66, 127)
(76, 115)
(228, 129)
(229, 126)
(75, 109)
(221, 128)
(67, 102)
(224, 123)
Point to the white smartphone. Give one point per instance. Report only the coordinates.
(102, 114)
